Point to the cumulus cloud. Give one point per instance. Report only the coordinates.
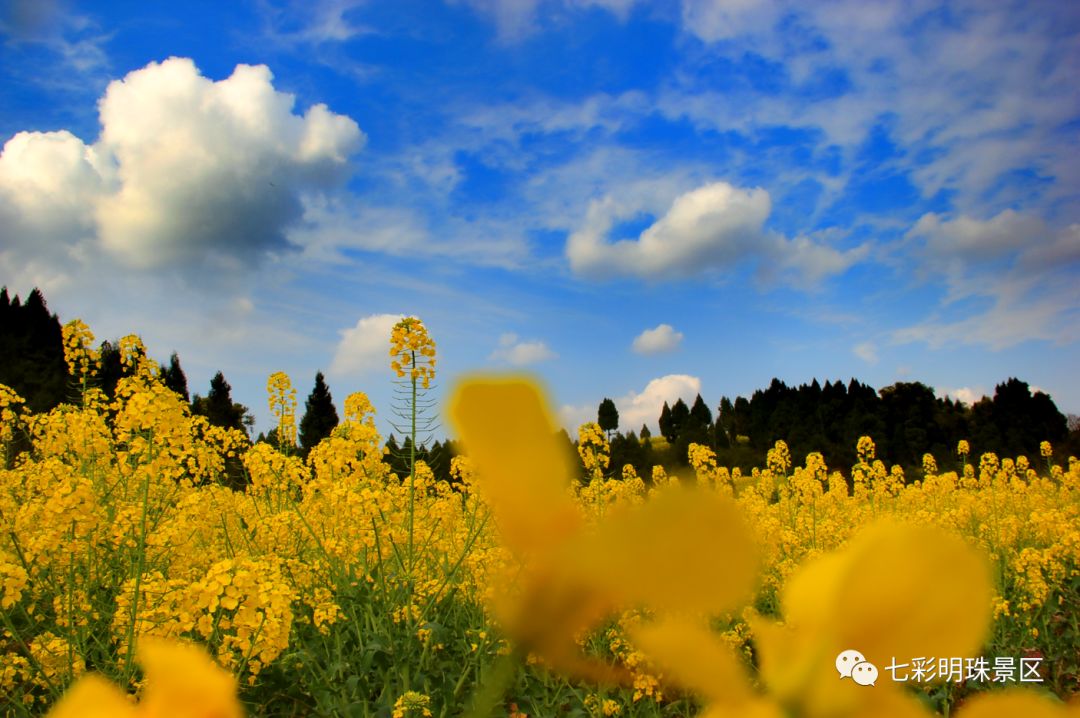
(187, 170)
(637, 408)
(520, 353)
(364, 347)
(966, 395)
(715, 226)
(662, 339)
(50, 183)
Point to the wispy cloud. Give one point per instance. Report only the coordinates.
(867, 351)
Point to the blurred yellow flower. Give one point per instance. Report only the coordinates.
(682, 550)
(181, 681)
(892, 593)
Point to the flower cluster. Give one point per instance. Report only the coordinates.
(82, 359)
(412, 351)
(593, 449)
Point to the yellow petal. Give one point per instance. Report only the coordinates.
(895, 591)
(93, 697)
(681, 550)
(695, 659)
(182, 681)
(1016, 702)
(509, 434)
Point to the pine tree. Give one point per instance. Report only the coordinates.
(645, 434)
(175, 378)
(320, 416)
(32, 352)
(724, 429)
(700, 412)
(607, 416)
(665, 423)
(218, 406)
(680, 414)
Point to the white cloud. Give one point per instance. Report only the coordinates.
(520, 353)
(366, 346)
(1022, 270)
(186, 170)
(867, 351)
(716, 226)
(973, 101)
(1021, 311)
(573, 416)
(313, 23)
(715, 20)
(49, 185)
(636, 408)
(662, 339)
(973, 239)
(966, 395)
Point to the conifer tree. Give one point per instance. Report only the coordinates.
(680, 414)
(665, 423)
(175, 378)
(320, 416)
(607, 416)
(32, 352)
(700, 413)
(218, 406)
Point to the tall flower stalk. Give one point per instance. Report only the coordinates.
(412, 357)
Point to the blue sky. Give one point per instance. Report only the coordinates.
(629, 199)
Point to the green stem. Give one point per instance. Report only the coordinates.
(412, 464)
(140, 559)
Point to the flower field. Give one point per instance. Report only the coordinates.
(332, 586)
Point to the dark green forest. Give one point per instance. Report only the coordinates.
(905, 420)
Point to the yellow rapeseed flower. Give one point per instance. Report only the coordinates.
(282, 401)
(412, 703)
(570, 577)
(412, 351)
(893, 592)
(181, 681)
(79, 354)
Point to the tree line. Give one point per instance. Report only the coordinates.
(905, 420)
